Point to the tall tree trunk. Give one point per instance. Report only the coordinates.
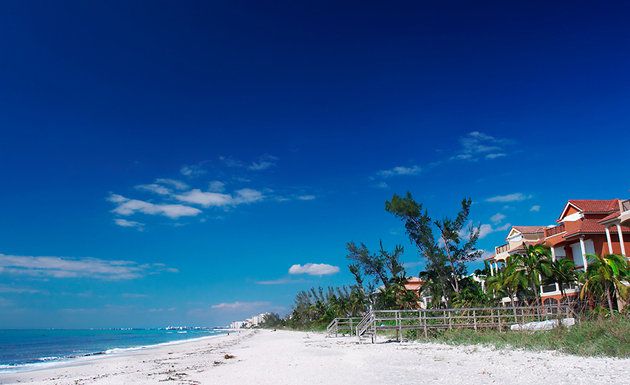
(609, 299)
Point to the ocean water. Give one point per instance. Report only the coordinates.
(23, 348)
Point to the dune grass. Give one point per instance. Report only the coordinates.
(601, 337)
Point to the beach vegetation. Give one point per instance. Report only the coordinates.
(447, 244)
(606, 278)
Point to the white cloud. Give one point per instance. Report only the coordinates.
(280, 281)
(231, 162)
(535, 208)
(314, 269)
(306, 197)
(215, 199)
(205, 199)
(382, 185)
(93, 268)
(176, 184)
(216, 186)
(497, 218)
(400, 171)
(240, 306)
(192, 171)
(247, 195)
(515, 197)
(476, 145)
(485, 230)
(126, 223)
(264, 162)
(154, 188)
(128, 206)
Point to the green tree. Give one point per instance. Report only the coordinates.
(533, 264)
(563, 272)
(508, 282)
(383, 267)
(446, 244)
(604, 276)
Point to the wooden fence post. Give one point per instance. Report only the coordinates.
(426, 332)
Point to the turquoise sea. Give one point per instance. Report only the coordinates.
(23, 348)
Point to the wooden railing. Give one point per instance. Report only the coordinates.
(430, 320)
(343, 326)
(554, 230)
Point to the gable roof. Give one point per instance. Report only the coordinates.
(529, 229)
(591, 206)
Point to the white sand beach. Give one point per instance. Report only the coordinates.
(283, 357)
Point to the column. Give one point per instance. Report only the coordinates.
(610, 251)
(623, 247)
(583, 248)
(553, 258)
(491, 269)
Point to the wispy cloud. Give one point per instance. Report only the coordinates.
(514, 197)
(307, 197)
(400, 171)
(216, 186)
(94, 268)
(192, 170)
(497, 218)
(264, 162)
(486, 229)
(535, 208)
(317, 269)
(476, 145)
(126, 206)
(127, 223)
(174, 183)
(205, 198)
(134, 295)
(16, 289)
(280, 281)
(241, 306)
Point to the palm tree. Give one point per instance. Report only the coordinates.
(508, 282)
(533, 264)
(563, 272)
(604, 277)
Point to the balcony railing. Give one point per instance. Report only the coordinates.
(625, 205)
(554, 230)
(549, 288)
(502, 248)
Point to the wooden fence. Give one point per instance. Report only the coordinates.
(427, 321)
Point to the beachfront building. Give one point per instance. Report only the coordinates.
(518, 237)
(583, 227)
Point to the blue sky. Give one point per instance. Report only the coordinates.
(169, 163)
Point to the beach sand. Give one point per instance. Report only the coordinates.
(283, 357)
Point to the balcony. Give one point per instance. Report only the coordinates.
(501, 252)
(549, 232)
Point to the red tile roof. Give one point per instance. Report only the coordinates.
(595, 206)
(529, 229)
(609, 217)
(588, 226)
